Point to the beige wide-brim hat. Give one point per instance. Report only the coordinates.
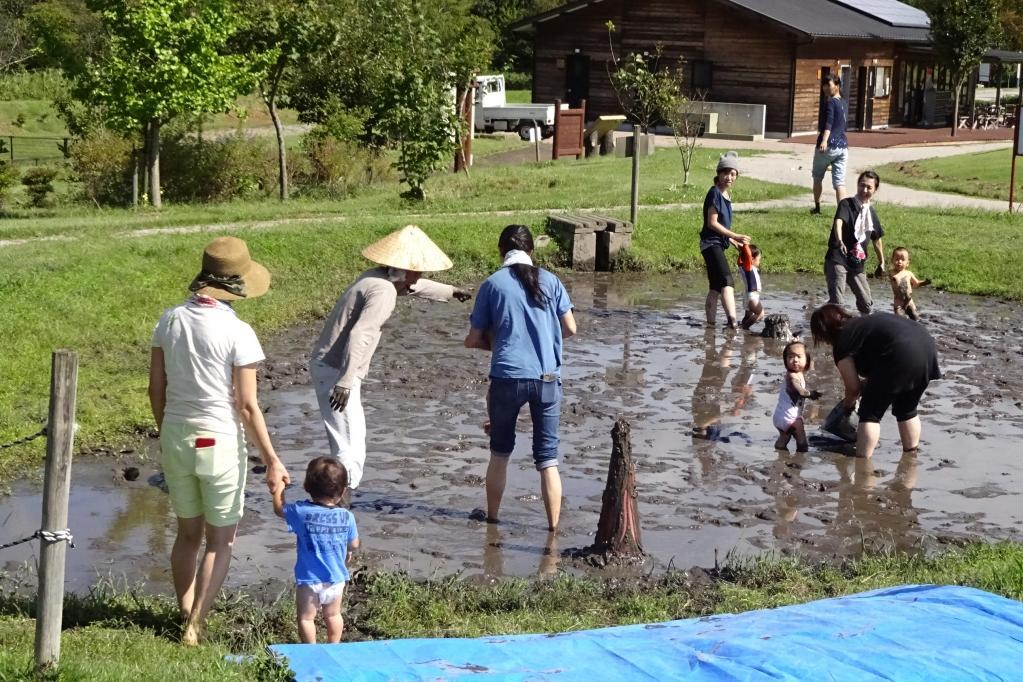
(408, 249)
(229, 273)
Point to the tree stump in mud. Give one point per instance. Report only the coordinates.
(618, 531)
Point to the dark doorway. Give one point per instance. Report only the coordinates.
(577, 79)
(865, 98)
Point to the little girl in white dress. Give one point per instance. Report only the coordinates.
(788, 415)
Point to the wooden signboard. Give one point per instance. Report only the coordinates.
(569, 126)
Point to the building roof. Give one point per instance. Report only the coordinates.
(1004, 56)
(830, 19)
(809, 18)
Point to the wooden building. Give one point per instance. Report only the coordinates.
(771, 52)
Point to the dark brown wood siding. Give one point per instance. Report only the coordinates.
(752, 60)
(752, 64)
(582, 32)
(835, 54)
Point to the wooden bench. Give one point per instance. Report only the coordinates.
(592, 242)
(599, 134)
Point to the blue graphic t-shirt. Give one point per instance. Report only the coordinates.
(322, 534)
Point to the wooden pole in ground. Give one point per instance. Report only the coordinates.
(60, 436)
(618, 530)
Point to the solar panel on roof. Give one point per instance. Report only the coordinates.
(890, 11)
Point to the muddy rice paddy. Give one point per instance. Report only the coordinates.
(699, 401)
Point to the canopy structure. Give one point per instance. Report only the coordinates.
(915, 632)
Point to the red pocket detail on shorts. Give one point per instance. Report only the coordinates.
(205, 442)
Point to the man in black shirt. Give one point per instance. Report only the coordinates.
(856, 225)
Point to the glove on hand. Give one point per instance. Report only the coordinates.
(339, 396)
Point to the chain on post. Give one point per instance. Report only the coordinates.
(27, 439)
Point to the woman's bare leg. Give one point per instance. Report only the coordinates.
(867, 435)
(728, 302)
(909, 432)
(209, 579)
(184, 556)
(710, 307)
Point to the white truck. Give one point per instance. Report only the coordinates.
(494, 113)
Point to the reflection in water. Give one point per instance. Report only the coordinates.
(786, 482)
(550, 559)
(708, 394)
(145, 514)
(884, 514)
(495, 549)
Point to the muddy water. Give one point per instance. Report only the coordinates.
(699, 401)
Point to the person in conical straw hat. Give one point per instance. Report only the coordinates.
(202, 389)
(341, 355)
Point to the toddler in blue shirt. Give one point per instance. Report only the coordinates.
(325, 533)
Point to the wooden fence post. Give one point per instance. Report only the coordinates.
(60, 436)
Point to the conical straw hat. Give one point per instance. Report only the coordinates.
(408, 249)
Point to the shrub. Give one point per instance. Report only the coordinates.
(9, 177)
(102, 162)
(45, 85)
(230, 167)
(38, 182)
(518, 81)
(341, 169)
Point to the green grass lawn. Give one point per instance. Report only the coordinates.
(121, 634)
(485, 145)
(518, 96)
(985, 174)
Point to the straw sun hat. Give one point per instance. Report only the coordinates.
(408, 249)
(229, 273)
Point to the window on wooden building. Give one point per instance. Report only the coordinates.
(882, 81)
(701, 75)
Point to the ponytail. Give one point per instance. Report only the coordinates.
(519, 238)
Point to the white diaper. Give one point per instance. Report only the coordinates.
(327, 593)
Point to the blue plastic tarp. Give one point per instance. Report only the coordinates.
(916, 632)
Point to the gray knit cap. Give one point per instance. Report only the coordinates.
(729, 160)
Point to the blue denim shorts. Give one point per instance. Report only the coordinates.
(836, 158)
(506, 398)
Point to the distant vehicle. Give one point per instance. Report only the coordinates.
(494, 113)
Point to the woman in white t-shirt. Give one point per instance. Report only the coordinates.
(202, 388)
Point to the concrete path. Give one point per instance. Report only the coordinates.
(790, 163)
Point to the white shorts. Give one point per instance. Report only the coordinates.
(327, 593)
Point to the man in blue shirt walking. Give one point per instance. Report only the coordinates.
(832, 145)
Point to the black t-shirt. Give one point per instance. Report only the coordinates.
(848, 211)
(892, 352)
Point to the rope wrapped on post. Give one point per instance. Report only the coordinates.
(46, 536)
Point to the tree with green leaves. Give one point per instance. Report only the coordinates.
(165, 58)
(962, 31)
(390, 78)
(286, 31)
(442, 48)
(513, 50)
(16, 46)
(645, 86)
